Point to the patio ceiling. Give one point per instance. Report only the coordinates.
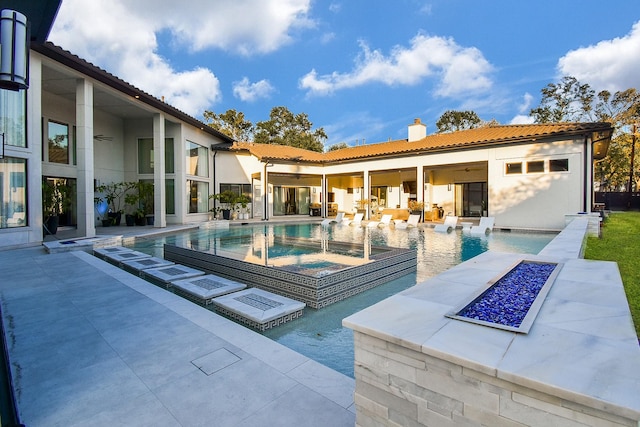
(63, 84)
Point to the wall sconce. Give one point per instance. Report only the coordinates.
(449, 187)
(314, 190)
(14, 57)
(390, 189)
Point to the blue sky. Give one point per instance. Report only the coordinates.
(362, 70)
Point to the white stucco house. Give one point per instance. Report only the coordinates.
(82, 126)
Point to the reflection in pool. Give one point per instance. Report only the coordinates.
(319, 334)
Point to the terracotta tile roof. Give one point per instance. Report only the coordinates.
(494, 135)
(267, 152)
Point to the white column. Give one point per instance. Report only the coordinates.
(84, 150)
(420, 185)
(34, 161)
(159, 199)
(367, 194)
(265, 192)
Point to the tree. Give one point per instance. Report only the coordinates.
(621, 109)
(232, 123)
(452, 121)
(338, 146)
(286, 128)
(567, 101)
(572, 101)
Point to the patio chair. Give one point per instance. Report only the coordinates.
(339, 219)
(385, 220)
(357, 219)
(449, 224)
(485, 226)
(411, 222)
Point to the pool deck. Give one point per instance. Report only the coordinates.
(93, 345)
(90, 344)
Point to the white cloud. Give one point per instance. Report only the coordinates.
(527, 99)
(524, 118)
(249, 92)
(460, 71)
(610, 64)
(120, 36)
(521, 119)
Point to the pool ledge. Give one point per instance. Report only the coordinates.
(579, 363)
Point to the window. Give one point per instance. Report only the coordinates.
(145, 155)
(58, 142)
(514, 168)
(13, 107)
(535, 167)
(13, 192)
(559, 165)
(170, 196)
(198, 192)
(197, 160)
(238, 189)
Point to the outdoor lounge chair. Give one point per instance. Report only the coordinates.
(357, 220)
(339, 219)
(411, 222)
(384, 221)
(449, 224)
(485, 226)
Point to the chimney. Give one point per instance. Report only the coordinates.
(417, 130)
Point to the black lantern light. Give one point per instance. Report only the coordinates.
(14, 50)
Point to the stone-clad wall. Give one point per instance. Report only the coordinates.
(396, 385)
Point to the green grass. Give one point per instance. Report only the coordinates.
(620, 242)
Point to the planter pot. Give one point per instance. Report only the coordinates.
(115, 218)
(140, 220)
(417, 213)
(150, 219)
(51, 227)
(130, 220)
(226, 214)
(106, 222)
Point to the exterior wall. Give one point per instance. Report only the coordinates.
(538, 200)
(31, 234)
(396, 385)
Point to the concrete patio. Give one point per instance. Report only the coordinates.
(93, 345)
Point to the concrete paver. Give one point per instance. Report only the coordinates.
(90, 344)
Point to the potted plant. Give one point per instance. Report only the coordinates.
(114, 193)
(215, 209)
(243, 200)
(145, 192)
(362, 206)
(228, 199)
(56, 198)
(416, 207)
(133, 213)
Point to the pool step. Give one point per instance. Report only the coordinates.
(259, 309)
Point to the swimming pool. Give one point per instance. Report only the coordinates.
(319, 334)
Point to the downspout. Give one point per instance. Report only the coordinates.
(215, 153)
(588, 170)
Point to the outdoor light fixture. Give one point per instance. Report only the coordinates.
(601, 141)
(14, 52)
(449, 187)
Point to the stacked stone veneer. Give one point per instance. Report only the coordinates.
(579, 365)
(397, 386)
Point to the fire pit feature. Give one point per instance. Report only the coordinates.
(512, 300)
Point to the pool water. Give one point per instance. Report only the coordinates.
(319, 334)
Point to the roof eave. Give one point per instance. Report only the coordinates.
(76, 63)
